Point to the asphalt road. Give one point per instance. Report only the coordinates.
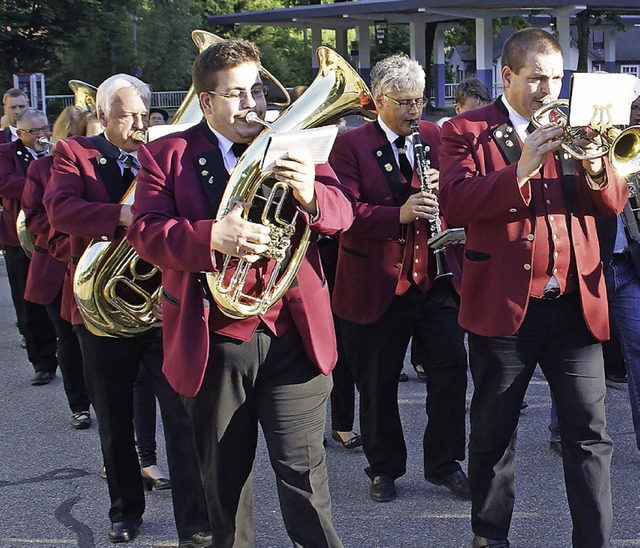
(51, 494)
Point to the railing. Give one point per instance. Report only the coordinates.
(162, 99)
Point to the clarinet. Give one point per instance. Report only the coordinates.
(435, 227)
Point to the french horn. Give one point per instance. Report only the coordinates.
(116, 290)
(337, 91)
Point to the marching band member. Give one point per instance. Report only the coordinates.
(33, 322)
(532, 290)
(46, 273)
(89, 177)
(387, 248)
(269, 369)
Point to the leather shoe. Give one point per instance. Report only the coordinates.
(457, 483)
(124, 531)
(420, 373)
(383, 489)
(403, 377)
(202, 539)
(153, 478)
(483, 542)
(42, 377)
(351, 442)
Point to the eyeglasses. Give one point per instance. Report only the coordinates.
(36, 130)
(240, 95)
(406, 104)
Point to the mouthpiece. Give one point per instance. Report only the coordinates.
(139, 136)
(253, 118)
(44, 142)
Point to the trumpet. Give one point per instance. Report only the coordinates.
(621, 146)
(139, 136)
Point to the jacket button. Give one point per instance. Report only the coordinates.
(402, 241)
(526, 266)
(513, 210)
(398, 266)
(530, 237)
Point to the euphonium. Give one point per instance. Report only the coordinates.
(85, 95)
(337, 91)
(107, 267)
(621, 146)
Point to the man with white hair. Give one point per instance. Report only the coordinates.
(89, 177)
(387, 247)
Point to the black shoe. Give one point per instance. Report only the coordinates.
(81, 420)
(152, 478)
(202, 539)
(616, 377)
(403, 377)
(124, 531)
(457, 483)
(383, 489)
(42, 377)
(483, 542)
(350, 443)
(556, 447)
(419, 369)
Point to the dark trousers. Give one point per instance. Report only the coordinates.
(111, 367)
(144, 418)
(271, 381)
(343, 397)
(375, 353)
(33, 320)
(554, 335)
(69, 359)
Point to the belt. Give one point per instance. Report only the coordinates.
(551, 294)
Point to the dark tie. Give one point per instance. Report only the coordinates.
(238, 149)
(405, 165)
(130, 163)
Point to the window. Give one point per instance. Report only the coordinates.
(630, 69)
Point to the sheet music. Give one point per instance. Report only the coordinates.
(316, 143)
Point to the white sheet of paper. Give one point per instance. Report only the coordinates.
(316, 143)
(599, 98)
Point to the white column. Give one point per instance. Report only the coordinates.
(484, 51)
(610, 50)
(417, 41)
(364, 48)
(316, 42)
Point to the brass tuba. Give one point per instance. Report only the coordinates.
(337, 91)
(621, 146)
(114, 289)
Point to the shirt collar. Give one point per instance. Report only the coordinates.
(134, 153)
(224, 144)
(519, 122)
(14, 132)
(390, 134)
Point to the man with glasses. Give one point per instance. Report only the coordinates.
(269, 369)
(14, 101)
(386, 291)
(33, 321)
(83, 197)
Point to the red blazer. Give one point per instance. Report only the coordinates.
(14, 161)
(372, 250)
(172, 228)
(76, 199)
(478, 189)
(44, 279)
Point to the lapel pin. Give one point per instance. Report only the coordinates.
(378, 153)
(202, 161)
(388, 167)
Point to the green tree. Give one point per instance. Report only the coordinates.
(584, 20)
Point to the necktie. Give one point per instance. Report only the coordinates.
(238, 149)
(405, 165)
(130, 163)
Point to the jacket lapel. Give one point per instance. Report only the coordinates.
(209, 166)
(388, 165)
